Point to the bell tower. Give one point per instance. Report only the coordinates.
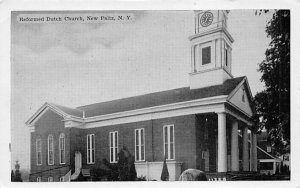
(210, 49)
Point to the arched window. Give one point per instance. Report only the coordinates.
(50, 150)
(39, 151)
(62, 158)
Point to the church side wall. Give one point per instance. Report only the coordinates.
(185, 143)
(49, 123)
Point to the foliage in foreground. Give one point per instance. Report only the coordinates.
(273, 103)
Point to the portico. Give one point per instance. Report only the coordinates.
(229, 132)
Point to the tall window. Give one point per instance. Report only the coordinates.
(62, 179)
(113, 145)
(206, 55)
(169, 147)
(62, 158)
(38, 151)
(90, 148)
(139, 144)
(50, 179)
(50, 150)
(226, 57)
(39, 179)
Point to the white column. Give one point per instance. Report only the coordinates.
(250, 152)
(193, 68)
(245, 149)
(234, 147)
(222, 146)
(254, 152)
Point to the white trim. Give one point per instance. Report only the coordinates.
(167, 107)
(156, 115)
(41, 111)
(140, 144)
(244, 81)
(269, 160)
(50, 135)
(62, 136)
(169, 142)
(155, 112)
(226, 34)
(90, 150)
(47, 106)
(113, 146)
(237, 116)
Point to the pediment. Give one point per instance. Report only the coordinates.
(241, 98)
(41, 111)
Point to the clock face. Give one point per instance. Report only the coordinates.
(206, 19)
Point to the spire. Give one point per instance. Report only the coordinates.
(211, 47)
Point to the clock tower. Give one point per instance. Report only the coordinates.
(210, 49)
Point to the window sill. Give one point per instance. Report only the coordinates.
(140, 161)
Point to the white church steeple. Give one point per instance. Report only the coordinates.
(210, 49)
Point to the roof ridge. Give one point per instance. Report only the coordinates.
(58, 105)
(132, 97)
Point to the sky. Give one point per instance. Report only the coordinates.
(80, 64)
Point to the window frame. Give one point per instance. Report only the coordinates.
(90, 150)
(62, 136)
(62, 179)
(210, 54)
(269, 149)
(37, 151)
(52, 139)
(140, 145)
(169, 143)
(39, 179)
(113, 147)
(50, 178)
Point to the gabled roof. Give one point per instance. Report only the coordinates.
(70, 111)
(160, 98)
(138, 102)
(60, 110)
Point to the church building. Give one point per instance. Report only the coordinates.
(205, 126)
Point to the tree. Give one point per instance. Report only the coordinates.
(126, 166)
(124, 170)
(273, 103)
(165, 173)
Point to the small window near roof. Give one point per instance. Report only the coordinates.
(268, 149)
(243, 95)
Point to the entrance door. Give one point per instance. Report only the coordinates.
(205, 157)
(78, 162)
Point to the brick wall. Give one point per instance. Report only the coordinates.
(49, 123)
(76, 140)
(185, 144)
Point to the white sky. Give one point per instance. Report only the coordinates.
(79, 64)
